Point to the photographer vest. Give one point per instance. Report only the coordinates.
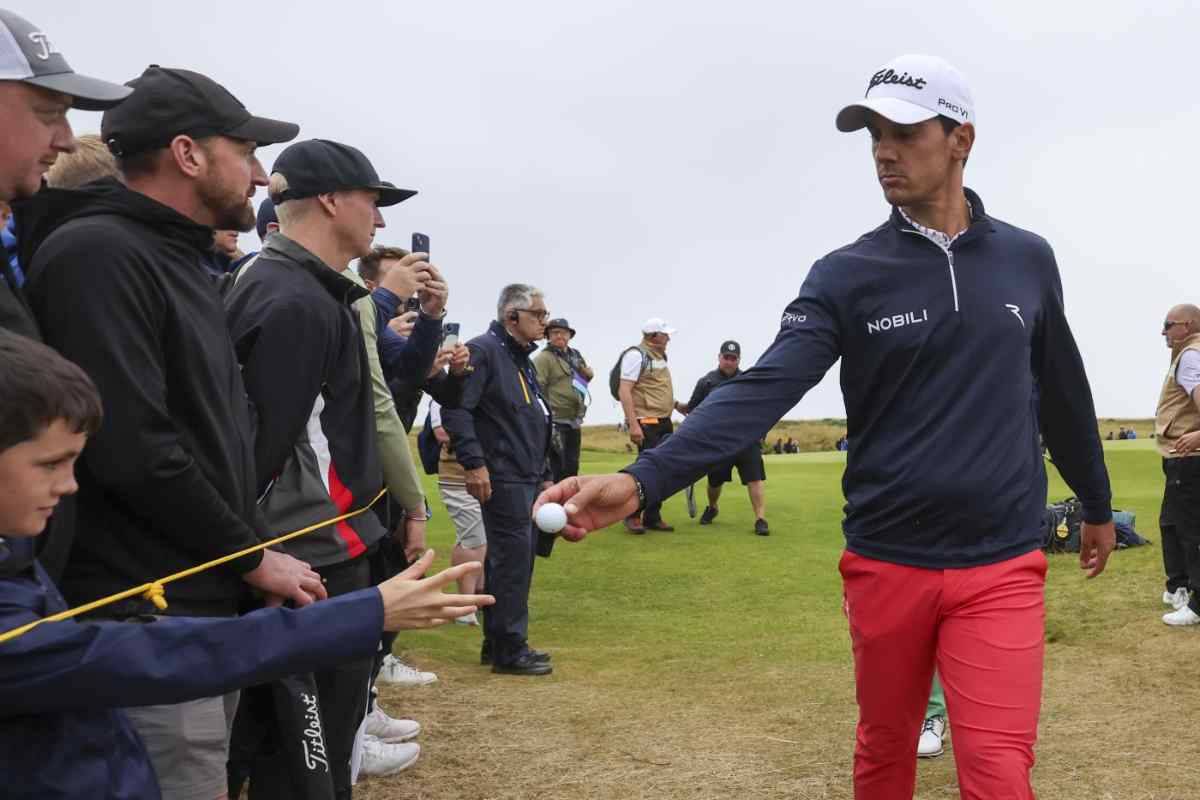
(653, 394)
(1177, 413)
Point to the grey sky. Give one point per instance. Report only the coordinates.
(680, 159)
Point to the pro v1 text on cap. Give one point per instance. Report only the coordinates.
(911, 89)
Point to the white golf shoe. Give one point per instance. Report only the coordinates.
(380, 758)
(397, 673)
(387, 729)
(933, 735)
(1176, 599)
(1182, 616)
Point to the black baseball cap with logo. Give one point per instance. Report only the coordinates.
(27, 55)
(731, 348)
(319, 166)
(170, 102)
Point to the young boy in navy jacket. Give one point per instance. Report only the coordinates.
(62, 683)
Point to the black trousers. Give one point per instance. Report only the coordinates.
(654, 435)
(565, 464)
(1179, 522)
(268, 727)
(508, 568)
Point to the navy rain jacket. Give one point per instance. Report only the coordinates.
(953, 362)
(503, 421)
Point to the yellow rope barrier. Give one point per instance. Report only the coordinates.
(154, 591)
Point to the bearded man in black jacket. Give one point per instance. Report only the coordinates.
(118, 284)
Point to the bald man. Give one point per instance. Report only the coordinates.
(1177, 434)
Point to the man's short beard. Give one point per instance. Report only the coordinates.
(231, 210)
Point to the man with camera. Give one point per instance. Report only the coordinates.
(564, 375)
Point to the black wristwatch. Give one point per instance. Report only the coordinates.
(641, 491)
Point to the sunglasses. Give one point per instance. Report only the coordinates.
(1170, 323)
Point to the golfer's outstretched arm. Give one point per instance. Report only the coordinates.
(735, 415)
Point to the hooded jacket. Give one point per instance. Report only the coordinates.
(953, 362)
(503, 421)
(118, 285)
(62, 684)
(299, 341)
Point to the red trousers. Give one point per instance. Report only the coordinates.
(983, 628)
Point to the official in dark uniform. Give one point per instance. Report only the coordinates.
(501, 436)
(749, 462)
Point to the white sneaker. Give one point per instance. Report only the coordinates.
(933, 734)
(397, 673)
(467, 619)
(380, 758)
(387, 729)
(1176, 599)
(1182, 616)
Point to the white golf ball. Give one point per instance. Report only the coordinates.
(551, 518)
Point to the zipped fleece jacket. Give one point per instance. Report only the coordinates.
(503, 422)
(298, 339)
(62, 684)
(953, 361)
(118, 284)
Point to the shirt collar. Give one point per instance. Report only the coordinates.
(939, 238)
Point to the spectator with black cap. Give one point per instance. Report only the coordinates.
(299, 340)
(117, 281)
(564, 375)
(749, 462)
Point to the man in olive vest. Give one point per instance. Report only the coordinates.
(564, 375)
(648, 398)
(1177, 434)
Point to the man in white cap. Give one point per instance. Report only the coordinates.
(955, 354)
(648, 397)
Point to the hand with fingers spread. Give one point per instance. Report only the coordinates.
(403, 324)
(1096, 542)
(410, 601)
(280, 578)
(592, 502)
(434, 292)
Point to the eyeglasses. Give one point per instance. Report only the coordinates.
(541, 316)
(1170, 323)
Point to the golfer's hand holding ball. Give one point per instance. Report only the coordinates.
(550, 518)
(589, 503)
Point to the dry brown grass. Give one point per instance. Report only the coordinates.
(1114, 727)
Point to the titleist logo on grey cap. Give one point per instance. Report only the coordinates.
(44, 48)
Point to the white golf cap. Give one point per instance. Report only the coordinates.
(911, 89)
(657, 325)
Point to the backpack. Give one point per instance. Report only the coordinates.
(1060, 526)
(614, 376)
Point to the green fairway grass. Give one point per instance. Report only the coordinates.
(711, 662)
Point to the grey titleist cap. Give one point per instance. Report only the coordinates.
(27, 55)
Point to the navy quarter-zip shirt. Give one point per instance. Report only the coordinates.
(953, 362)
